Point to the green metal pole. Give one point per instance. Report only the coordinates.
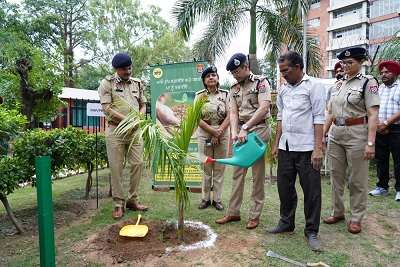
(45, 211)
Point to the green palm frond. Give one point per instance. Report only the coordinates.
(224, 23)
(388, 51)
(188, 12)
(182, 140)
(276, 31)
(223, 17)
(162, 153)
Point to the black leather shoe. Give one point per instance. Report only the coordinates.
(313, 242)
(218, 205)
(204, 204)
(280, 229)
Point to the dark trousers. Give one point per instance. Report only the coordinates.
(290, 164)
(384, 146)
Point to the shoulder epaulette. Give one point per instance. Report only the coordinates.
(235, 85)
(136, 80)
(224, 91)
(109, 77)
(259, 77)
(201, 91)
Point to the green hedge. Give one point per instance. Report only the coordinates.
(69, 149)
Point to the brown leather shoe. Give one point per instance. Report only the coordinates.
(135, 206)
(253, 223)
(333, 219)
(354, 227)
(227, 219)
(118, 213)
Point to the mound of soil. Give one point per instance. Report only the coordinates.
(127, 249)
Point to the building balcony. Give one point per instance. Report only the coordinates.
(348, 41)
(337, 4)
(347, 21)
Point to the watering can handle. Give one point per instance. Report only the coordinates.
(138, 219)
(259, 141)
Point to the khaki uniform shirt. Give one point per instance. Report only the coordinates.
(122, 95)
(244, 96)
(215, 108)
(347, 99)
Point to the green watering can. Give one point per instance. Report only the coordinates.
(246, 154)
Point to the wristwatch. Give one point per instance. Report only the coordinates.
(386, 123)
(370, 143)
(245, 127)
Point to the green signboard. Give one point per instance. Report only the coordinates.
(173, 88)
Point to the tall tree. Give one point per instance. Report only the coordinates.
(125, 25)
(60, 27)
(28, 80)
(279, 23)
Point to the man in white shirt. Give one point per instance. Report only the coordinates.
(298, 144)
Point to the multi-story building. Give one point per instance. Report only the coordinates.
(366, 23)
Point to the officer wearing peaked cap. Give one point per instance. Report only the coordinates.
(213, 136)
(114, 91)
(250, 99)
(353, 115)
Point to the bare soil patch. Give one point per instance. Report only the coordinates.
(110, 248)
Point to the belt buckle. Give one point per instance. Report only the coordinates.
(340, 121)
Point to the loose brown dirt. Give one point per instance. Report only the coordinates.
(110, 248)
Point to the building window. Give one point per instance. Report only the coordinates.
(353, 31)
(78, 114)
(383, 7)
(384, 28)
(346, 12)
(315, 4)
(314, 23)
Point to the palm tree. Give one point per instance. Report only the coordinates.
(388, 51)
(279, 22)
(163, 153)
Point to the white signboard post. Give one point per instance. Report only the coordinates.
(95, 110)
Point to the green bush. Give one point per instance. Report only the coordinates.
(13, 171)
(11, 124)
(69, 148)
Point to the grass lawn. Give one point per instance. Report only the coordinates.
(77, 219)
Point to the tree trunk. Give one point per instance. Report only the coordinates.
(181, 220)
(10, 214)
(110, 190)
(254, 66)
(89, 180)
(23, 67)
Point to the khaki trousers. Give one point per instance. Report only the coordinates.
(213, 176)
(118, 152)
(346, 150)
(257, 192)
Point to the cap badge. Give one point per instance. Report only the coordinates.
(347, 53)
(236, 62)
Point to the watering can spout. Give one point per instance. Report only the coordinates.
(244, 155)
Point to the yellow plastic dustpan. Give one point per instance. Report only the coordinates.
(134, 230)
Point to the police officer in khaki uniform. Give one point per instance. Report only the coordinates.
(250, 99)
(116, 91)
(213, 136)
(353, 114)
